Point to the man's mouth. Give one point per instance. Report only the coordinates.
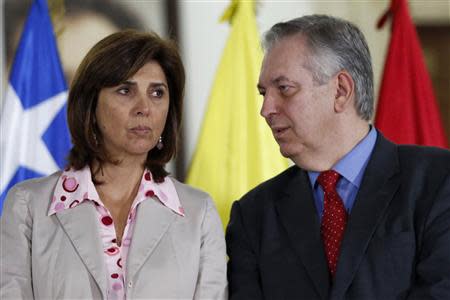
(279, 131)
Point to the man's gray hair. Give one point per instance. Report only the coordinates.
(333, 45)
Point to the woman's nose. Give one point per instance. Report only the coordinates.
(142, 107)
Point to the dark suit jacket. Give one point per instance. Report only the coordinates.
(396, 244)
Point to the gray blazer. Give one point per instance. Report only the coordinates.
(60, 256)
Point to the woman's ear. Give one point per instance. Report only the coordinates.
(345, 91)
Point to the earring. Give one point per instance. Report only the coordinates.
(160, 144)
(94, 126)
(95, 139)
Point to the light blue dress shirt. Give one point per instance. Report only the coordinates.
(351, 167)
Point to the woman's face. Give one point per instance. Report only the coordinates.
(131, 116)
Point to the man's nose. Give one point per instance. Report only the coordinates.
(269, 105)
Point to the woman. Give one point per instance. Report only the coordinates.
(113, 225)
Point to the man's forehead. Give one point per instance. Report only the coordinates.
(279, 69)
(297, 41)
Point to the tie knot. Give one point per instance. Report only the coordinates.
(328, 180)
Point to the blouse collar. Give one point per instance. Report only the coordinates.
(76, 186)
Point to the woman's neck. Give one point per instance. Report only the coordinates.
(119, 179)
(118, 186)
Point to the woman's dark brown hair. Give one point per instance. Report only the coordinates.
(109, 63)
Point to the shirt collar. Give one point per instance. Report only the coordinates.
(75, 186)
(353, 164)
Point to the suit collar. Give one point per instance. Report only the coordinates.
(152, 223)
(299, 218)
(379, 184)
(81, 225)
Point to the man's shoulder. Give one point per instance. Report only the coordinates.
(424, 157)
(267, 190)
(428, 151)
(411, 158)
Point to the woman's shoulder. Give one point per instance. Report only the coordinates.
(199, 207)
(33, 191)
(185, 188)
(39, 183)
(190, 195)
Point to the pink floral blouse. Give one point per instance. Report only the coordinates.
(74, 187)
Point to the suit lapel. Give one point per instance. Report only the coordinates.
(299, 217)
(152, 221)
(378, 187)
(81, 225)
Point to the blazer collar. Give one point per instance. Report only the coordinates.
(152, 223)
(80, 224)
(299, 217)
(379, 184)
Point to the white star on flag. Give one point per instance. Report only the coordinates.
(34, 139)
(22, 131)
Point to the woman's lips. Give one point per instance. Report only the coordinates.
(140, 130)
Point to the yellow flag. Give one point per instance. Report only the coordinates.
(236, 150)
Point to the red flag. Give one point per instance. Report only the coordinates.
(407, 112)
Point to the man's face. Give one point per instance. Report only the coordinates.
(298, 110)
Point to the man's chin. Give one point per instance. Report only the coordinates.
(285, 152)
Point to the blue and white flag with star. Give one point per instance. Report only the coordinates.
(34, 139)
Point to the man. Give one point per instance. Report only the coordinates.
(357, 217)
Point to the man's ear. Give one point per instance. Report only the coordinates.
(345, 91)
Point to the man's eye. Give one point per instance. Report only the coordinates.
(283, 88)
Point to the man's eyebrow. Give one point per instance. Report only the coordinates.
(281, 78)
(277, 80)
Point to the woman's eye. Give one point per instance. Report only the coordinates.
(158, 93)
(123, 91)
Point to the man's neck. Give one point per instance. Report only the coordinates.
(338, 146)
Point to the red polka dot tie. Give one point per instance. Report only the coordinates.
(334, 218)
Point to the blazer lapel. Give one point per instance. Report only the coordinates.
(379, 184)
(152, 221)
(81, 225)
(299, 216)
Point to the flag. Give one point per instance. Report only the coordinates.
(407, 112)
(236, 150)
(34, 139)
